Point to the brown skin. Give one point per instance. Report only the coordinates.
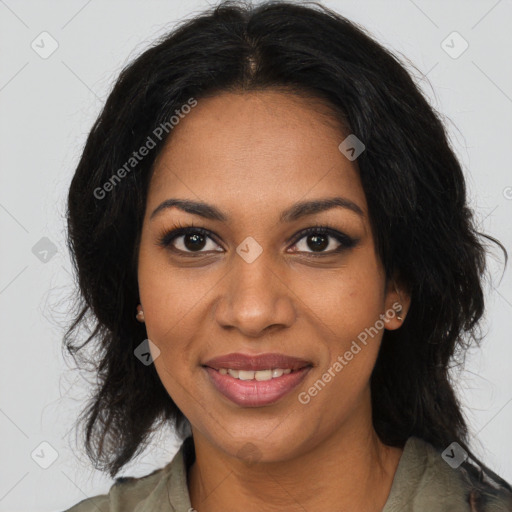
(253, 155)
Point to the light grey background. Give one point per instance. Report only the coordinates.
(47, 107)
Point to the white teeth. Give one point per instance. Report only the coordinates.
(263, 375)
(259, 375)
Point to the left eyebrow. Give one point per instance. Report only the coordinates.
(291, 214)
(301, 209)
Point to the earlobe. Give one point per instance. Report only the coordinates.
(396, 311)
(140, 314)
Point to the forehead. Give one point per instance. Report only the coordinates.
(255, 149)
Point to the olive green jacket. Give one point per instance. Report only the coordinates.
(423, 482)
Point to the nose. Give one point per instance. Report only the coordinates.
(255, 299)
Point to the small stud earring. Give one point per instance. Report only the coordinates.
(140, 314)
(399, 312)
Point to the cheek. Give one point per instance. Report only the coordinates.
(176, 307)
(346, 306)
(345, 302)
(172, 298)
(341, 382)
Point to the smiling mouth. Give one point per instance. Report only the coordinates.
(255, 388)
(256, 375)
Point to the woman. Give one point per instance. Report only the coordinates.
(272, 195)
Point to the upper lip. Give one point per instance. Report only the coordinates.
(255, 362)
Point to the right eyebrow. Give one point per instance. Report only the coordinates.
(199, 208)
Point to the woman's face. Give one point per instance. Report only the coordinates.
(253, 284)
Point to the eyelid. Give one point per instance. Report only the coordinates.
(324, 229)
(345, 241)
(167, 237)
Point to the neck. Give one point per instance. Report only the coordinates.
(349, 470)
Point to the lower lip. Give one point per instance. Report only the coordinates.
(254, 393)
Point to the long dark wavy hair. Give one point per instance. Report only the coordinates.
(416, 194)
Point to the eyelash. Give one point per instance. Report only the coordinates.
(346, 242)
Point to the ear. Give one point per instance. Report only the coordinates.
(397, 303)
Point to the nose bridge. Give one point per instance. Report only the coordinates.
(255, 296)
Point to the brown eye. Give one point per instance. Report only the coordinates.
(194, 241)
(317, 242)
(188, 240)
(318, 239)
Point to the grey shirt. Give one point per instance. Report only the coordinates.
(423, 482)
